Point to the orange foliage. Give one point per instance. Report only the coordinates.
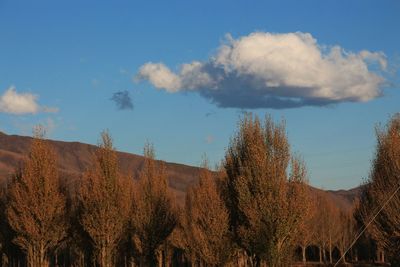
(207, 222)
(154, 215)
(105, 203)
(36, 208)
(267, 205)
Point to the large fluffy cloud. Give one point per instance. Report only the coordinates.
(21, 103)
(275, 71)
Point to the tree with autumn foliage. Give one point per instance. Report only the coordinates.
(307, 233)
(104, 203)
(36, 205)
(382, 191)
(207, 221)
(327, 227)
(267, 203)
(346, 234)
(154, 215)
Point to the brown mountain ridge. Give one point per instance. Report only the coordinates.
(75, 157)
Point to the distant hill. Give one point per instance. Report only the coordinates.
(350, 194)
(75, 157)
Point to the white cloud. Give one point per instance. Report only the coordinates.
(22, 103)
(275, 71)
(160, 76)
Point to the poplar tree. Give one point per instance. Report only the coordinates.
(307, 234)
(207, 222)
(154, 214)
(104, 203)
(383, 187)
(267, 203)
(347, 232)
(327, 227)
(36, 209)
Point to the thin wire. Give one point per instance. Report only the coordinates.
(366, 226)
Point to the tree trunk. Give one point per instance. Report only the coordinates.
(356, 255)
(105, 257)
(344, 256)
(152, 260)
(320, 254)
(378, 252)
(160, 259)
(253, 261)
(303, 252)
(43, 262)
(36, 256)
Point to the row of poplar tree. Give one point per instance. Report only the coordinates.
(256, 209)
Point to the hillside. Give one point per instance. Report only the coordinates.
(75, 157)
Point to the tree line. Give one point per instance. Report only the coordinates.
(256, 209)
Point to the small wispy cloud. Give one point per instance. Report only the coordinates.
(272, 70)
(16, 103)
(123, 100)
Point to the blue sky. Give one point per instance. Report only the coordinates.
(63, 61)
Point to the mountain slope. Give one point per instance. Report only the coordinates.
(75, 157)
